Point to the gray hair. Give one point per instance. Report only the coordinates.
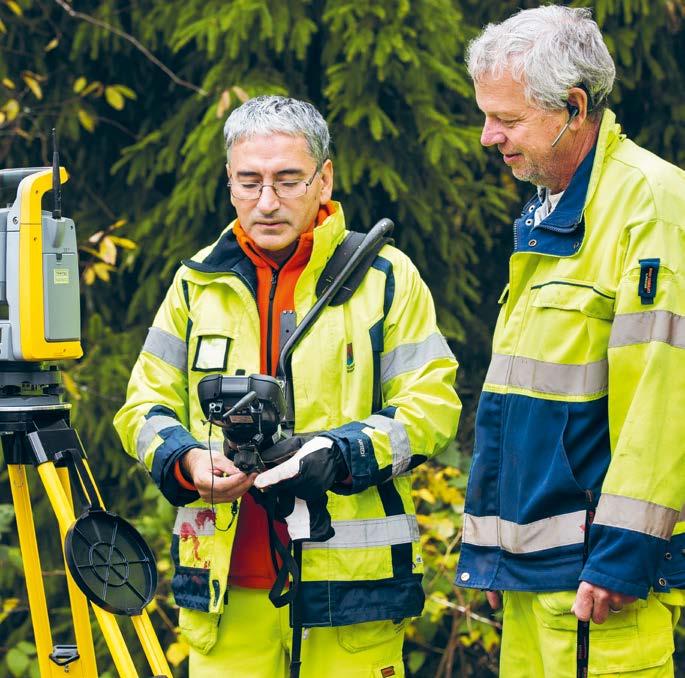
(549, 50)
(278, 115)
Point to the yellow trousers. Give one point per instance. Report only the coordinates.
(254, 641)
(539, 638)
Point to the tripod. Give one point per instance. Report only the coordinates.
(108, 562)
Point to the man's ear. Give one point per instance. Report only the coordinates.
(577, 104)
(326, 182)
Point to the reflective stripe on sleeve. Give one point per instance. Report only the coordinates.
(399, 440)
(150, 429)
(641, 328)
(545, 377)
(167, 347)
(539, 535)
(627, 513)
(408, 357)
(194, 522)
(352, 534)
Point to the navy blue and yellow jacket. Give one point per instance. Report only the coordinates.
(385, 335)
(583, 402)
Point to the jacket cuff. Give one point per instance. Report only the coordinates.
(177, 441)
(621, 560)
(357, 451)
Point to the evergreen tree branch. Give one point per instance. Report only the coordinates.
(135, 42)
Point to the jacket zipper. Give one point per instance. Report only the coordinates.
(269, 320)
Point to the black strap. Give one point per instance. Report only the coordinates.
(340, 257)
(583, 639)
(289, 569)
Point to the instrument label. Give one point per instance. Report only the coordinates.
(60, 276)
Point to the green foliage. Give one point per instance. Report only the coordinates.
(139, 92)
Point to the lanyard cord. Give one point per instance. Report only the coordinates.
(234, 504)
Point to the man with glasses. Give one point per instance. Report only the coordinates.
(373, 376)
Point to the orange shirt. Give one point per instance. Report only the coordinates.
(251, 565)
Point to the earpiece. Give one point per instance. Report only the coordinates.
(573, 111)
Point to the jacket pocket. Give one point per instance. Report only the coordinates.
(199, 629)
(568, 322)
(575, 295)
(210, 352)
(358, 637)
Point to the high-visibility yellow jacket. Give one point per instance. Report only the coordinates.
(583, 402)
(208, 323)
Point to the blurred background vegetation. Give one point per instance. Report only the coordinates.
(138, 92)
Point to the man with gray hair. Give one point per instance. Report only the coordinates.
(366, 378)
(577, 483)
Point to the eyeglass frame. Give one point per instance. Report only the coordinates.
(272, 186)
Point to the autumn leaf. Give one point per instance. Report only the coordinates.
(33, 85)
(70, 385)
(9, 84)
(224, 103)
(51, 45)
(124, 243)
(79, 84)
(125, 91)
(114, 98)
(89, 276)
(11, 109)
(15, 7)
(94, 86)
(8, 604)
(102, 270)
(86, 120)
(240, 93)
(108, 251)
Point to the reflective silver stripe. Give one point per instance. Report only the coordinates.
(548, 533)
(194, 522)
(636, 515)
(167, 347)
(408, 357)
(399, 440)
(544, 377)
(640, 328)
(354, 534)
(150, 429)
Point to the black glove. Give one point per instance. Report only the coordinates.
(313, 469)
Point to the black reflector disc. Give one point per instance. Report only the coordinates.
(110, 562)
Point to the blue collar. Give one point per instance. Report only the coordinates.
(561, 232)
(569, 211)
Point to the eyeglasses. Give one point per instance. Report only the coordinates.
(252, 190)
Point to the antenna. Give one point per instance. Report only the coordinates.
(56, 183)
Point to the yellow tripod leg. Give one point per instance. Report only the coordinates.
(151, 647)
(108, 624)
(79, 602)
(141, 623)
(32, 570)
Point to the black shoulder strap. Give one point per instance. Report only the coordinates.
(340, 257)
